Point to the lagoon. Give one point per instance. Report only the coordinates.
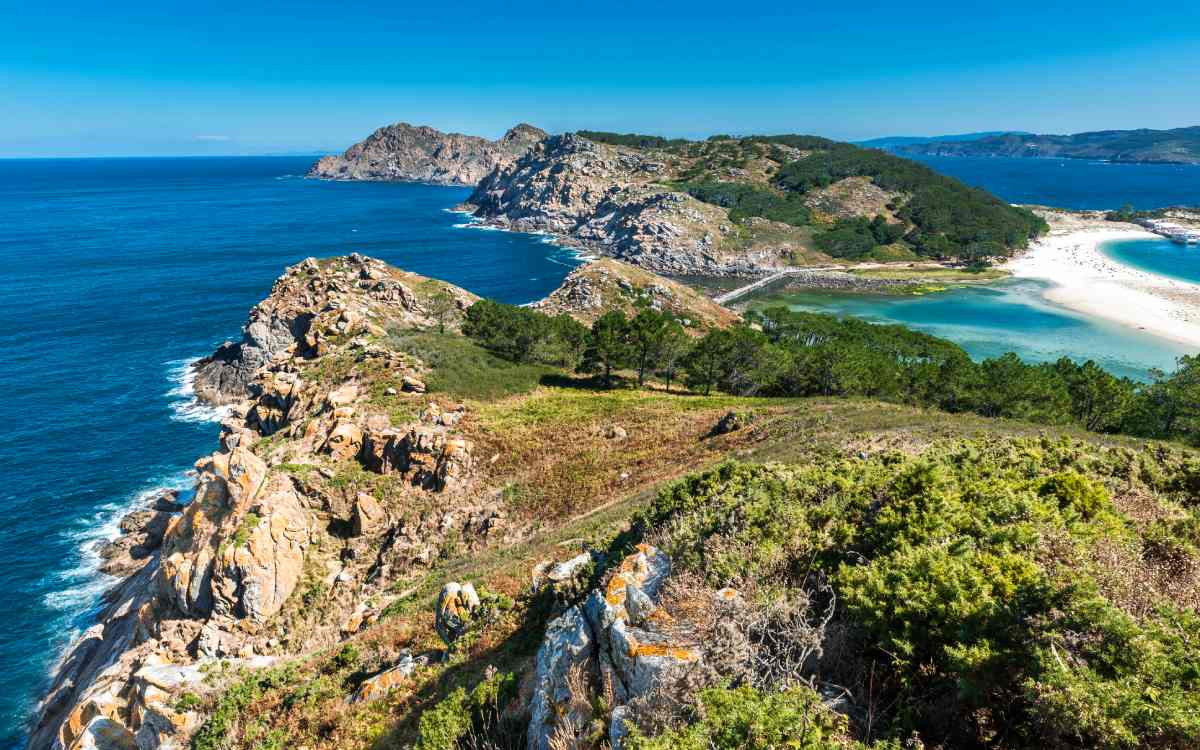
(988, 321)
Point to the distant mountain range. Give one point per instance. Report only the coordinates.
(897, 141)
(1176, 146)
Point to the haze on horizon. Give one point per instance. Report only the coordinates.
(168, 78)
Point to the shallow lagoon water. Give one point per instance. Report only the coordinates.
(1006, 316)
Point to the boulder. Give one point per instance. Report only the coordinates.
(617, 635)
(731, 422)
(345, 440)
(369, 515)
(260, 566)
(455, 605)
(383, 683)
(569, 644)
(411, 384)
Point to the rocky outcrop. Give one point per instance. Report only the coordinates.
(604, 285)
(313, 304)
(618, 638)
(409, 153)
(613, 199)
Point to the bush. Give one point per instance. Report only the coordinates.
(966, 585)
(746, 719)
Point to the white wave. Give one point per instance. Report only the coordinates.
(185, 407)
(78, 589)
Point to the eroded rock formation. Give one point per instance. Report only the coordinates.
(409, 153)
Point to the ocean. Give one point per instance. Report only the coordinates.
(116, 274)
(119, 272)
(1075, 183)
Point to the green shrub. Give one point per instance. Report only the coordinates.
(459, 713)
(965, 585)
(745, 719)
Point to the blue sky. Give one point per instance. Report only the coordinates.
(134, 78)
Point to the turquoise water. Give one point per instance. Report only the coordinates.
(1162, 257)
(1007, 316)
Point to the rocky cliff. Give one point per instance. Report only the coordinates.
(618, 201)
(409, 153)
(316, 395)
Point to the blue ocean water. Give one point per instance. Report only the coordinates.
(115, 274)
(1075, 183)
(1009, 316)
(1162, 257)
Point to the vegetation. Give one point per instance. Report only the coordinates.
(987, 594)
(746, 718)
(780, 352)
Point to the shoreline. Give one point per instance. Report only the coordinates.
(1085, 280)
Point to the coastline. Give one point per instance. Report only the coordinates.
(1085, 280)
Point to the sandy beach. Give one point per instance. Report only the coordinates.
(1086, 280)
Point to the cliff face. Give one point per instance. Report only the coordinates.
(216, 578)
(404, 152)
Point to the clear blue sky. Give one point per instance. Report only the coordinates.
(134, 77)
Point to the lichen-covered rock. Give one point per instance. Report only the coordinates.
(345, 440)
(616, 636)
(455, 605)
(383, 683)
(569, 644)
(227, 484)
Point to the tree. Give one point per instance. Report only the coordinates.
(442, 307)
(646, 332)
(706, 360)
(672, 350)
(609, 348)
(1098, 399)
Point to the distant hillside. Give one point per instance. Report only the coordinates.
(1177, 146)
(896, 141)
(409, 153)
(742, 206)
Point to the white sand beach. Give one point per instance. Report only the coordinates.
(1086, 280)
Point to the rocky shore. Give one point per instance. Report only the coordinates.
(409, 153)
(208, 581)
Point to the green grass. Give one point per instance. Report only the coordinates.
(931, 274)
(461, 369)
